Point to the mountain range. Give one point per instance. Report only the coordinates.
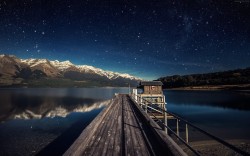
(15, 72)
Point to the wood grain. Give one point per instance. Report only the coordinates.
(117, 130)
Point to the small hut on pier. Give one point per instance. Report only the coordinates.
(151, 87)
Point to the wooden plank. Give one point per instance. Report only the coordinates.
(91, 144)
(140, 138)
(77, 147)
(109, 140)
(132, 128)
(97, 144)
(128, 134)
(115, 133)
(117, 140)
(138, 142)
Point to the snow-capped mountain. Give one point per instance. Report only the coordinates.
(65, 65)
(13, 67)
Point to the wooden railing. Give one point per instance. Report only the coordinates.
(149, 109)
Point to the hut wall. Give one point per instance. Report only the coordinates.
(152, 89)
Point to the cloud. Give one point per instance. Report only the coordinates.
(190, 64)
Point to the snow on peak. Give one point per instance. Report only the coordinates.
(67, 62)
(88, 68)
(4, 55)
(109, 74)
(61, 65)
(125, 75)
(34, 62)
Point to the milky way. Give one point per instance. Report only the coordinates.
(148, 39)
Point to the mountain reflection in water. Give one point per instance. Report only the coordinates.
(50, 102)
(36, 107)
(32, 119)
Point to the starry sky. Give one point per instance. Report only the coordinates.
(146, 38)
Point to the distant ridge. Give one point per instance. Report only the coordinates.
(231, 79)
(46, 73)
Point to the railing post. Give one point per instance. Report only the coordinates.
(129, 89)
(186, 133)
(166, 121)
(141, 101)
(177, 127)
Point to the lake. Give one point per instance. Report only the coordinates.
(225, 114)
(32, 119)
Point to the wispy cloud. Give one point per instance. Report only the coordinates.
(191, 64)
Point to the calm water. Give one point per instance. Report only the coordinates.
(31, 119)
(223, 113)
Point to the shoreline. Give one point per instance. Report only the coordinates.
(243, 88)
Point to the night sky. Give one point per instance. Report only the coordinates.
(145, 38)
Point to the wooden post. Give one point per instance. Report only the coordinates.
(166, 122)
(177, 127)
(165, 114)
(186, 133)
(141, 101)
(129, 89)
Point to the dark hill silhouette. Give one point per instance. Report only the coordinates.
(231, 77)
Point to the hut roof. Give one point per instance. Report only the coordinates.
(151, 83)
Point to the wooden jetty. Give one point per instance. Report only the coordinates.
(137, 124)
(123, 128)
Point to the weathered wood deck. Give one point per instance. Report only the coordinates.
(122, 128)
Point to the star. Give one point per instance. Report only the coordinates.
(130, 37)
